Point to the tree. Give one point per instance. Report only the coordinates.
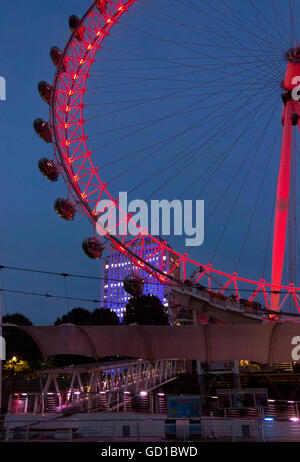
(81, 316)
(16, 318)
(78, 316)
(145, 309)
(103, 317)
(20, 346)
(15, 366)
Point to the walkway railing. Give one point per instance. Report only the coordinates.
(142, 402)
(217, 305)
(97, 387)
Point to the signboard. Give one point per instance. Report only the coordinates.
(246, 398)
(184, 407)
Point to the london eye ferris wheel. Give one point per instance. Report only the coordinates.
(184, 99)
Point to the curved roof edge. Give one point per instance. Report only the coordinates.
(268, 344)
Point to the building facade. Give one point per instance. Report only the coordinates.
(116, 266)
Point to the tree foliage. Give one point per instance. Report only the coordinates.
(75, 316)
(103, 317)
(145, 309)
(20, 345)
(81, 316)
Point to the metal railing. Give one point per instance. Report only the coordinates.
(43, 403)
(142, 402)
(218, 300)
(149, 429)
(107, 387)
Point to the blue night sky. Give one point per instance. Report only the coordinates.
(33, 236)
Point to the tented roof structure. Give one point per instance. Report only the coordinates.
(265, 343)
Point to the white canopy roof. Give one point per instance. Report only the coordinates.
(264, 343)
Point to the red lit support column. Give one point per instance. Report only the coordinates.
(282, 204)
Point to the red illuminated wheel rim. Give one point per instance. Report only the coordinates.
(86, 184)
